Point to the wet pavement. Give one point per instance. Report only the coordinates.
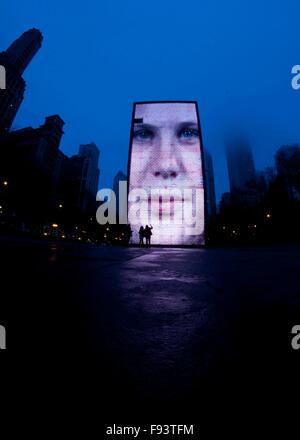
(159, 325)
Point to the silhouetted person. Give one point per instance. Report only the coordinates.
(142, 235)
(148, 234)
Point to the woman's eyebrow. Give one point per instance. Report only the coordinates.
(187, 124)
(145, 126)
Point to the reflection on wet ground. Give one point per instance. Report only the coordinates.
(155, 324)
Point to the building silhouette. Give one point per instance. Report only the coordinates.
(287, 161)
(119, 177)
(210, 184)
(15, 60)
(79, 179)
(89, 153)
(269, 175)
(43, 185)
(240, 164)
(31, 164)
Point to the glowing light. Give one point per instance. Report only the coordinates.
(54, 225)
(166, 177)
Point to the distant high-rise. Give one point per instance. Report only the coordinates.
(90, 153)
(81, 175)
(15, 60)
(240, 164)
(268, 175)
(287, 161)
(119, 177)
(210, 184)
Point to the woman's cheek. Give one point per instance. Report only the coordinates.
(140, 163)
(143, 159)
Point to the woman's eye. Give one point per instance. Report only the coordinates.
(143, 135)
(188, 133)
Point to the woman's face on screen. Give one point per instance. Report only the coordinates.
(166, 155)
(166, 146)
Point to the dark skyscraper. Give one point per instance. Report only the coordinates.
(287, 161)
(81, 176)
(90, 154)
(119, 177)
(240, 164)
(15, 60)
(210, 184)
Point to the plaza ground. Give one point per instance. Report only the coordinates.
(151, 327)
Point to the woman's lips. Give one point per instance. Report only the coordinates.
(169, 207)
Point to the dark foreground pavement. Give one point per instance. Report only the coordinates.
(145, 330)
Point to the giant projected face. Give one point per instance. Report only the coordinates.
(165, 173)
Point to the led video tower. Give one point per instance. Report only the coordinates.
(165, 169)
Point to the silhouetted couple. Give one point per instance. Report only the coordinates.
(145, 232)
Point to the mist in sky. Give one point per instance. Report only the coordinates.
(98, 57)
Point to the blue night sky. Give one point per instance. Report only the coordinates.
(234, 57)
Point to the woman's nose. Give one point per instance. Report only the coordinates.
(166, 173)
(168, 163)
